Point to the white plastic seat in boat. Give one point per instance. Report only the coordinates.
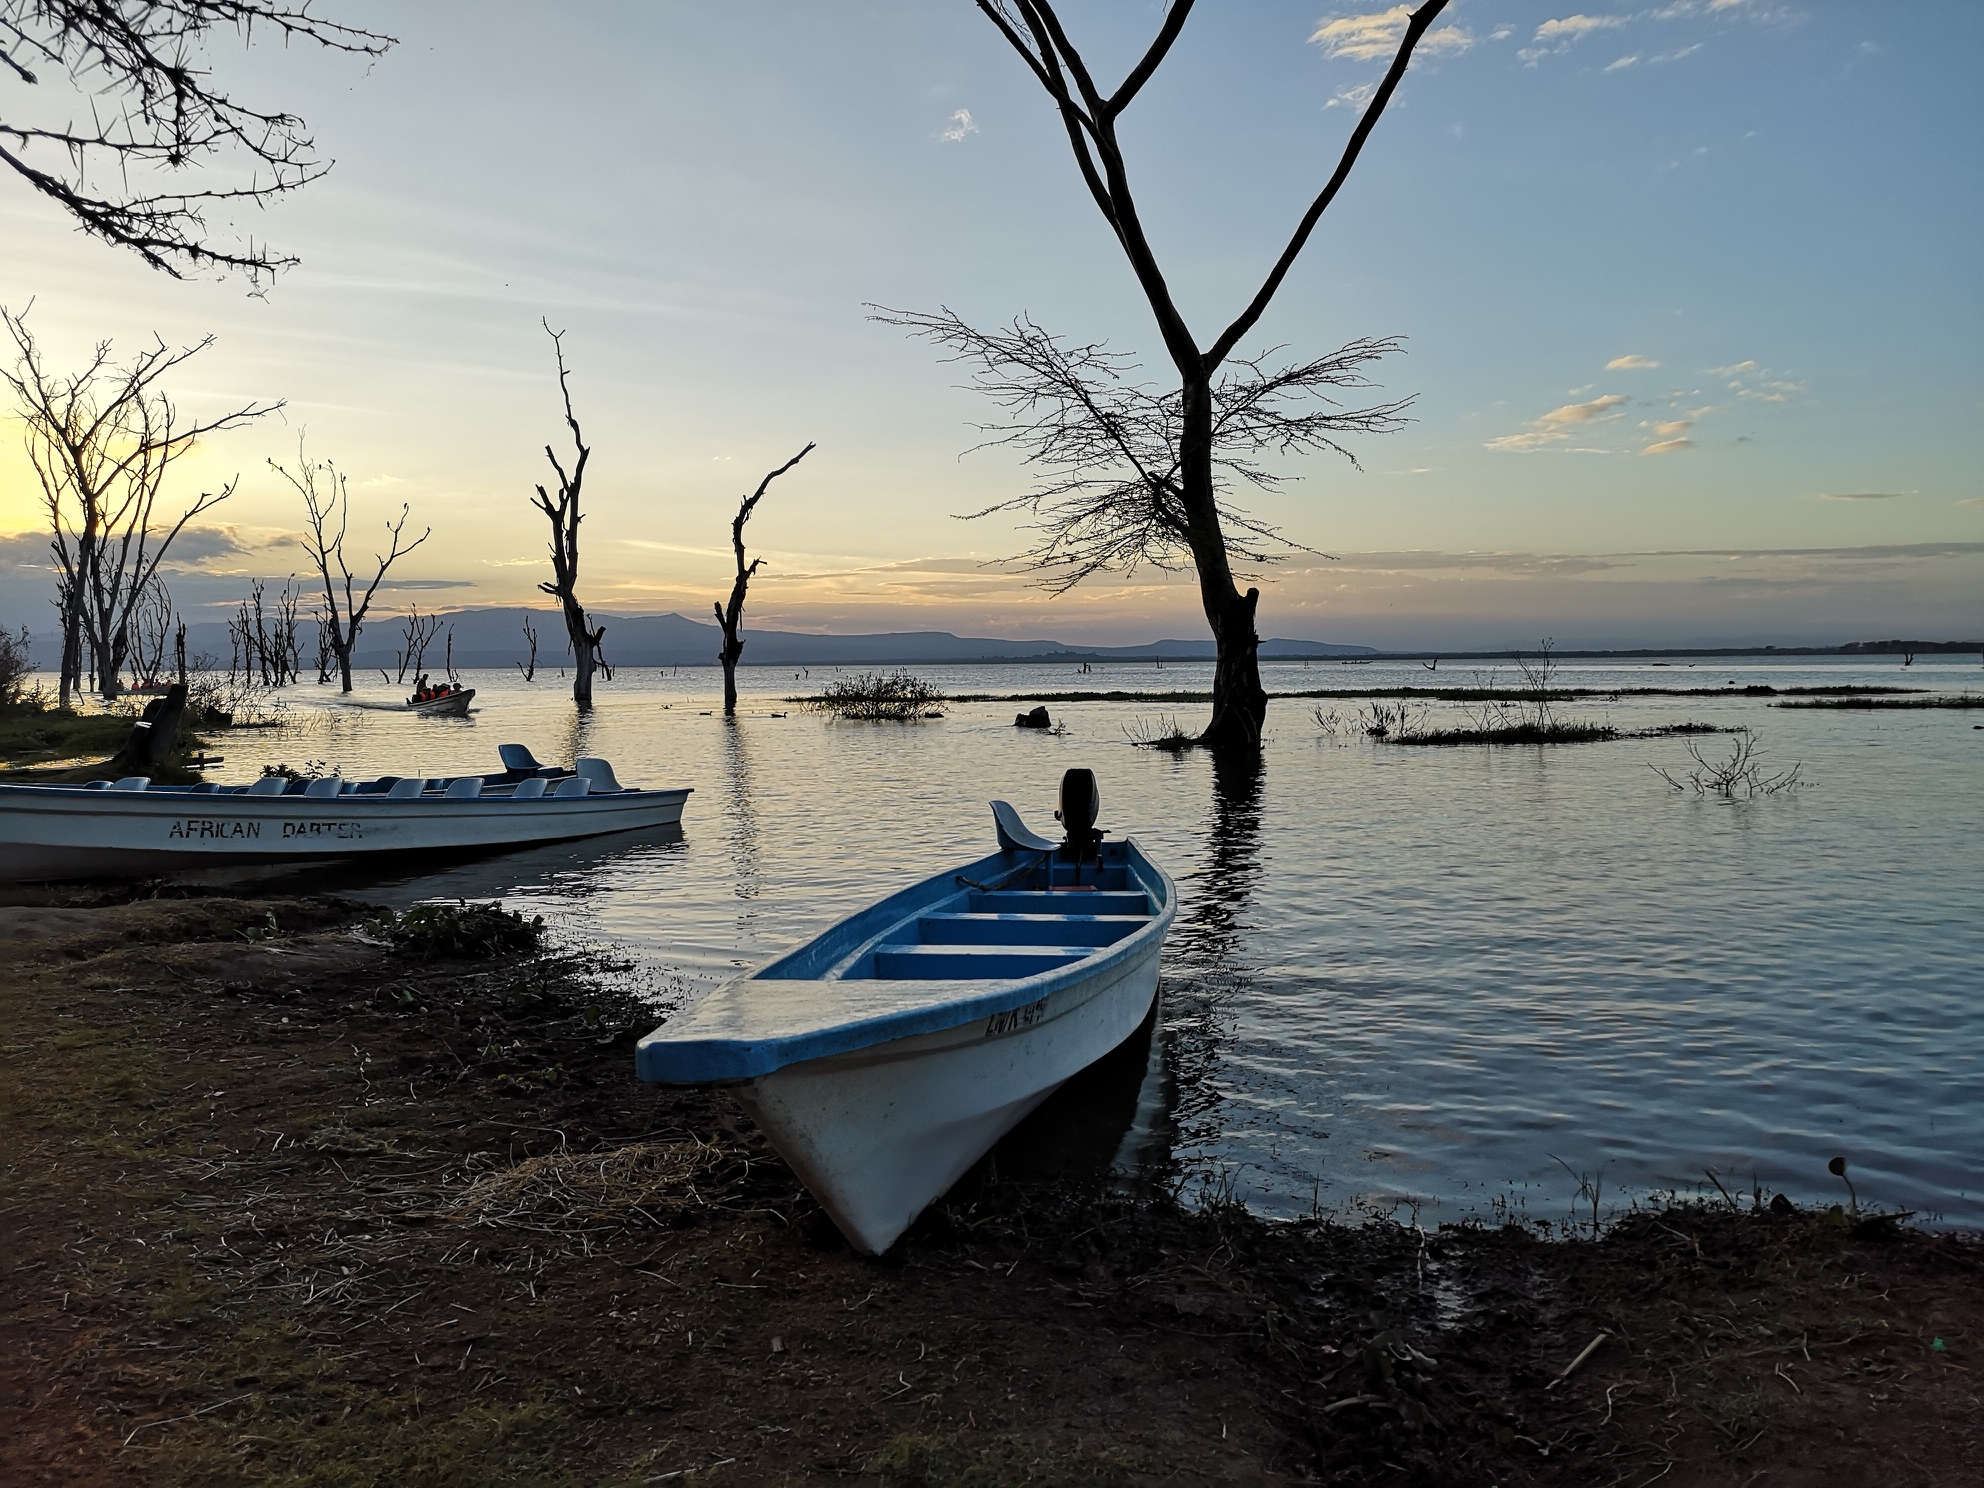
(529, 790)
(329, 785)
(577, 785)
(131, 782)
(401, 790)
(598, 771)
(269, 785)
(465, 789)
(1015, 833)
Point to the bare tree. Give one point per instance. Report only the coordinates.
(583, 637)
(1116, 488)
(328, 508)
(101, 442)
(529, 668)
(153, 110)
(417, 632)
(732, 619)
(151, 625)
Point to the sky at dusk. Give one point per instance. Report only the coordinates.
(1689, 292)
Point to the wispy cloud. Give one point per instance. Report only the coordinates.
(1357, 97)
(1971, 501)
(1377, 34)
(1560, 423)
(1622, 64)
(960, 126)
(1573, 27)
(1670, 429)
(1668, 446)
(1733, 369)
(1863, 495)
(1630, 363)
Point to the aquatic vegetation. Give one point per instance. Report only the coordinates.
(1741, 775)
(899, 697)
(1959, 700)
(1167, 734)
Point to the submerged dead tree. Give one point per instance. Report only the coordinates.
(1132, 476)
(732, 618)
(327, 506)
(144, 110)
(583, 637)
(101, 442)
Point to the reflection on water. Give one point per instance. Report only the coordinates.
(1398, 975)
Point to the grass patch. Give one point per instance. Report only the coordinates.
(923, 1460)
(898, 697)
(460, 931)
(32, 734)
(1961, 700)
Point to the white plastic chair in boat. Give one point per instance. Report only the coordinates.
(576, 785)
(329, 785)
(465, 789)
(131, 782)
(599, 772)
(401, 790)
(529, 790)
(269, 785)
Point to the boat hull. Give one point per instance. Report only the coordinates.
(879, 1133)
(55, 832)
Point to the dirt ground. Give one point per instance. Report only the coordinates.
(284, 1205)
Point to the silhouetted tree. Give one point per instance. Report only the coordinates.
(583, 637)
(154, 109)
(732, 618)
(328, 509)
(1121, 487)
(101, 442)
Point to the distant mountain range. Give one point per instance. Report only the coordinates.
(495, 638)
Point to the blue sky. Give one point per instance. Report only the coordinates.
(1689, 291)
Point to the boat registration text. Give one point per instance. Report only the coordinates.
(1017, 1019)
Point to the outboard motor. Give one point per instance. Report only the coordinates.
(1081, 803)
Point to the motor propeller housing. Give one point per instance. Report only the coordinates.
(1081, 804)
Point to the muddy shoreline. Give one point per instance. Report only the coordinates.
(284, 1204)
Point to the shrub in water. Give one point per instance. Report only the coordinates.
(872, 697)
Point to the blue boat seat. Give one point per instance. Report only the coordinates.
(1064, 902)
(517, 758)
(130, 782)
(465, 789)
(268, 785)
(530, 790)
(328, 785)
(402, 790)
(1027, 929)
(599, 772)
(972, 963)
(577, 785)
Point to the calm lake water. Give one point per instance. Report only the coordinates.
(1446, 981)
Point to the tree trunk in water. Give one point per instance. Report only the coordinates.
(344, 667)
(1239, 703)
(582, 649)
(733, 647)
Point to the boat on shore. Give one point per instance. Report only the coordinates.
(886, 1055)
(130, 828)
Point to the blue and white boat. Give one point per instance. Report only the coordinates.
(885, 1056)
(133, 828)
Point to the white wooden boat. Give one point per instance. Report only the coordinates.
(451, 703)
(130, 828)
(885, 1056)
